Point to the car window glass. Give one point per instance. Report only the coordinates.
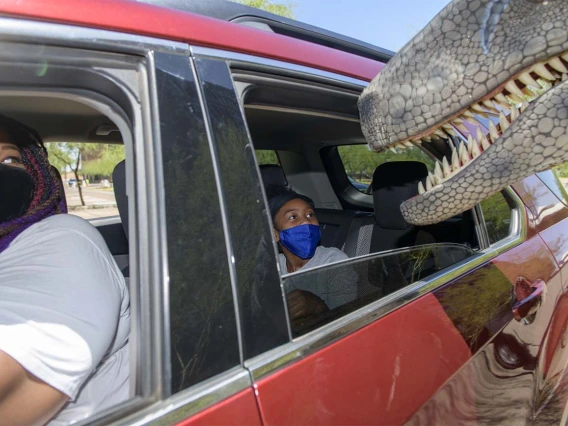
(348, 285)
(266, 156)
(556, 180)
(497, 216)
(86, 170)
(360, 162)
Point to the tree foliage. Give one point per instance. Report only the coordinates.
(282, 9)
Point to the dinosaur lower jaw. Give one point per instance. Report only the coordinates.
(533, 141)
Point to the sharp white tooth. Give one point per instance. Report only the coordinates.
(428, 183)
(441, 134)
(468, 115)
(469, 144)
(438, 172)
(558, 65)
(476, 150)
(477, 108)
(448, 128)
(503, 122)
(460, 126)
(427, 139)
(464, 156)
(564, 56)
(543, 72)
(514, 113)
(493, 132)
(446, 167)
(524, 106)
(564, 77)
(488, 103)
(392, 148)
(421, 189)
(417, 141)
(408, 144)
(401, 146)
(515, 98)
(482, 139)
(502, 100)
(512, 87)
(455, 160)
(527, 80)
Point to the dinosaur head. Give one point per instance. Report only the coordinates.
(506, 60)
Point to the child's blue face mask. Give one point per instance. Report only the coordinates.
(301, 240)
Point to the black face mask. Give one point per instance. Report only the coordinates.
(16, 192)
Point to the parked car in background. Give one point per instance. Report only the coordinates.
(460, 322)
(72, 183)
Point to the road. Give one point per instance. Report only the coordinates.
(99, 202)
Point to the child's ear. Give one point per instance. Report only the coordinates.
(276, 235)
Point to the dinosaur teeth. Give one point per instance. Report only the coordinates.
(524, 106)
(543, 72)
(475, 149)
(488, 103)
(460, 126)
(528, 81)
(448, 128)
(557, 64)
(446, 167)
(482, 139)
(502, 100)
(503, 122)
(513, 89)
(493, 132)
(421, 189)
(514, 113)
(438, 172)
(456, 164)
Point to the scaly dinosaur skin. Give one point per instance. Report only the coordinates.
(476, 57)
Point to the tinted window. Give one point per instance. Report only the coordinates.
(555, 181)
(349, 285)
(360, 162)
(497, 215)
(202, 313)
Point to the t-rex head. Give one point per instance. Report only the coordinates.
(476, 58)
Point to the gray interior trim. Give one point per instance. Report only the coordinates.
(264, 64)
(302, 112)
(22, 30)
(102, 221)
(270, 362)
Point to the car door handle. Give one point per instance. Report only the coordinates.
(529, 297)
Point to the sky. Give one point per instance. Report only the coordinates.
(385, 23)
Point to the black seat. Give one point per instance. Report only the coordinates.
(119, 184)
(272, 174)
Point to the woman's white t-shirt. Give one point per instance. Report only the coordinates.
(65, 314)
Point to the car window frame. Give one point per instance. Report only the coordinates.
(144, 172)
(299, 348)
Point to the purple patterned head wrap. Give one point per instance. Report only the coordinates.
(49, 196)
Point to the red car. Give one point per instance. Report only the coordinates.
(463, 322)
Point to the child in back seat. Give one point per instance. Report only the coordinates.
(297, 232)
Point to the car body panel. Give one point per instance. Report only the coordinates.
(376, 375)
(240, 409)
(149, 20)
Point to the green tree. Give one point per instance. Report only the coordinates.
(67, 156)
(282, 9)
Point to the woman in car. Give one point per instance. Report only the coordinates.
(64, 305)
(297, 231)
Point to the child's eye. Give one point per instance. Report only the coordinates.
(292, 217)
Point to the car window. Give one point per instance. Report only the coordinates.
(497, 215)
(266, 156)
(360, 162)
(556, 180)
(348, 285)
(86, 170)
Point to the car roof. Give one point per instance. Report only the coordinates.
(257, 18)
(157, 21)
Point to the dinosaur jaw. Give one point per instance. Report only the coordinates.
(530, 139)
(507, 103)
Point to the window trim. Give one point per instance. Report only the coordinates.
(305, 345)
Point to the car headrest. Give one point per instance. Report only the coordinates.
(393, 183)
(119, 184)
(272, 174)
